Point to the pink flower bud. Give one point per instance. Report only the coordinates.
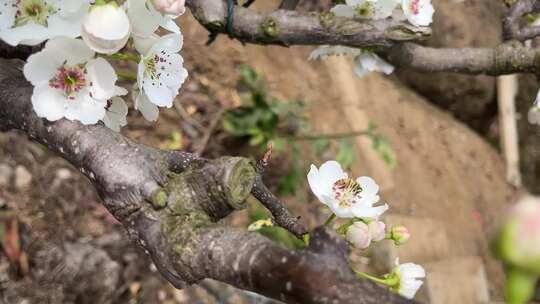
(170, 7)
(377, 231)
(400, 234)
(358, 235)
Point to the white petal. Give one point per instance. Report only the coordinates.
(85, 109)
(144, 44)
(369, 212)
(171, 43)
(144, 22)
(28, 34)
(342, 10)
(73, 51)
(7, 14)
(108, 22)
(115, 116)
(149, 110)
(368, 185)
(102, 77)
(409, 289)
(411, 270)
(170, 25)
(340, 211)
(422, 16)
(330, 172)
(48, 102)
(42, 66)
(158, 93)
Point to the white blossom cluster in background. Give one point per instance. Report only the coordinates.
(72, 76)
(416, 12)
(357, 202)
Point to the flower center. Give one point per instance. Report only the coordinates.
(346, 190)
(69, 79)
(365, 10)
(415, 6)
(33, 10)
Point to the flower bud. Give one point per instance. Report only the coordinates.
(399, 234)
(358, 235)
(170, 7)
(518, 243)
(106, 28)
(377, 231)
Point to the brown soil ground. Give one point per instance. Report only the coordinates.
(444, 172)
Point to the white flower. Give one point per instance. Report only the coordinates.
(170, 7)
(115, 113)
(366, 9)
(358, 235)
(69, 82)
(534, 113)
(368, 62)
(345, 196)
(418, 12)
(407, 279)
(30, 22)
(145, 19)
(160, 72)
(364, 61)
(106, 28)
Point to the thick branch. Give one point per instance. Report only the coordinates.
(286, 27)
(170, 204)
(504, 59)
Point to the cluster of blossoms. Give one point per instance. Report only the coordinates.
(357, 201)
(416, 12)
(71, 76)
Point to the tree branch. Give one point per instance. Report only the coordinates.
(170, 204)
(507, 58)
(286, 27)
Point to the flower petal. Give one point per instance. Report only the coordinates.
(48, 102)
(102, 78)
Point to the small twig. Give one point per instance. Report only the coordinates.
(186, 117)
(282, 216)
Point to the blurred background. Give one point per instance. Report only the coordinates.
(430, 141)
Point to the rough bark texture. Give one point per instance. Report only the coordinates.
(170, 203)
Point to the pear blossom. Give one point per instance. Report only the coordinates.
(418, 12)
(365, 9)
(116, 111)
(346, 197)
(534, 112)
(31, 22)
(161, 73)
(358, 235)
(69, 82)
(399, 234)
(170, 7)
(145, 19)
(361, 234)
(364, 61)
(405, 279)
(106, 28)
